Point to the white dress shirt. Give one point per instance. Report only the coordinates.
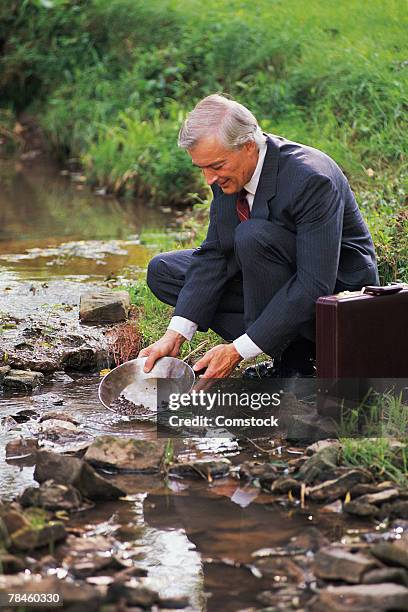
(244, 345)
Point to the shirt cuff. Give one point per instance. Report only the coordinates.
(183, 326)
(246, 347)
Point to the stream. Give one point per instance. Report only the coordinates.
(194, 538)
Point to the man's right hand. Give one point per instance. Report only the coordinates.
(167, 346)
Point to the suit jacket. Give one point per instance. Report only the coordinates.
(303, 190)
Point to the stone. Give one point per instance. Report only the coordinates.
(386, 574)
(359, 508)
(204, 468)
(398, 509)
(10, 564)
(284, 567)
(174, 603)
(379, 497)
(133, 593)
(81, 358)
(363, 489)
(88, 555)
(23, 380)
(4, 370)
(14, 521)
(331, 490)
(310, 427)
(21, 448)
(7, 423)
(335, 507)
(95, 487)
(338, 564)
(30, 537)
(320, 444)
(253, 470)
(52, 496)
(39, 363)
(321, 465)
(393, 553)
(25, 415)
(361, 598)
(58, 416)
(24, 584)
(311, 538)
(284, 484)
(60, 468)
(63, 469)
(104, 306)
(127, 454)
(79, 595)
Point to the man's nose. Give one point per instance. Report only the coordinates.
(210, 176)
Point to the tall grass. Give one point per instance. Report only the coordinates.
(111, 80)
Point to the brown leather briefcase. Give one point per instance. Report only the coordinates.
(363, 334)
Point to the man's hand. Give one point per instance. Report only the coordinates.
(219, 361)
(167, 346)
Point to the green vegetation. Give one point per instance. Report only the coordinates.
(111, 80)
(383, 420)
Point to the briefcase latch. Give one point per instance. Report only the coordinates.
(387, 290)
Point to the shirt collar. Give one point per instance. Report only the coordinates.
(252, 184)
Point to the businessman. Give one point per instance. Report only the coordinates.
(284, 230)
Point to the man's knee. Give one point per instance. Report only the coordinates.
(247, 233)
(259, 236)
(154, 269)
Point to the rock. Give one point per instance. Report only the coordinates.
(310, 539)
(380, 497)
(133, 593)
(127, 454)
(61, 469)
(94, 486)
(50, 399)
(337, 564)
(23, 380)
(88, 555)
(361, 598)
(284, 484)
(310, 427)
(363, 489)
(398, 509)
(335, 506)
(52, 496)
(58, 416)
(7, 423)
(386, 574)
(25, 415)
(331, 490)
(284, 567)
(25, 584)
(29, 538)
(320, 444)
(321, 465)
(82, 358)
(21, 448)
(253, 470)
(4, 370)
(104, 306)
(204, 468)
(393, 553)
(359, 508)
(78, 596)
(73, 471)
(40, 363)
(11, 564)
(14, 521)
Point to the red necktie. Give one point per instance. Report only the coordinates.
(243, 211)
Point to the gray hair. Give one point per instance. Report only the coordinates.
(226, 119)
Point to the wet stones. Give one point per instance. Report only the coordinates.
(82, 358)
(21, 448)
(339, 564)
(52, 496)
(23, 380)
(104, 306)
(330, 490)
(321, 465)
(4, 370)
(133, 593)
(362, 597)
(393, 553)
(205, 468)
(127, 454)
(76, 472)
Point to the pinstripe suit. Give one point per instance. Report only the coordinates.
(306, 238)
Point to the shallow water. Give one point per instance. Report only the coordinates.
(195, 538)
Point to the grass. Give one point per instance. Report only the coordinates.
(383, 421)
(111, 80)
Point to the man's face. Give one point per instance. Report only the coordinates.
(231, 170)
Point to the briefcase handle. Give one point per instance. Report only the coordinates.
(387, 290)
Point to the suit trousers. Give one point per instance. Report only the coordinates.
(264, 259)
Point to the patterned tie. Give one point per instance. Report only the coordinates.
(243, 211)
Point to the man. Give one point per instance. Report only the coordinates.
(284, 230)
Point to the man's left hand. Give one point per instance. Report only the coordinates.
(220, 361)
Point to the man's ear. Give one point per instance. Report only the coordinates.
(250, 146)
